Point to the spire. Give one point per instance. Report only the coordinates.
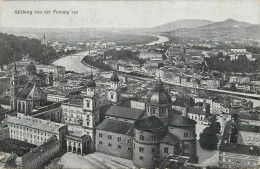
(91, 74)
(14, 66)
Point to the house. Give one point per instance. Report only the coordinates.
(199, 113)
(239, 147)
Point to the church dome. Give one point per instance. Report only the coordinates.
(91, 82)
(114, 77)
(159, 95)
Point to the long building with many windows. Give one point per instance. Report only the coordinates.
(33, 130)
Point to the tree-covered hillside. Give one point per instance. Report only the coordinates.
(10, 44)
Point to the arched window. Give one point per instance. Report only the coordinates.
(109, 145)
(100, 142)
(19, 106)
(141, 137)
(23, 106)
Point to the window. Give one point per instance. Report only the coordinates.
(163, 112)
(100, 143)
(141, 149)
(153, 150)
(87, 104)
(186, 146)
(141, 158)
(186, 135)
(109, 145)
(87, 123)
(119, 139)
(153, 138)
(153, 111)
(112, 96)
(109, 137)
(100, 134)
(119, 147)
(141, 137)
(165, 149)
(129, 141)
(129, 149)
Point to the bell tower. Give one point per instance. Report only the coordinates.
(13, 87)
(114, 94)
(91, 108)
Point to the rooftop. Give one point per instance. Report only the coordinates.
(227, 146)
(149, 123)
(178, 120)
(124, 112)
(5, 101)
(115, 126)
(197, 110)
(35, 123)
(39, 150)
(31, 90)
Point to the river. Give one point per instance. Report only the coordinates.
(73, 62)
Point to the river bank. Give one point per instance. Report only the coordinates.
(74, 62)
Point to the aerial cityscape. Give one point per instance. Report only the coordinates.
(180, 94)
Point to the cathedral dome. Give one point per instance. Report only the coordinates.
(114, 77)
(159, 95)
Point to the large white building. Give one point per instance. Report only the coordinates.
(33, 130)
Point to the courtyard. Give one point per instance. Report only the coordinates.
(95, 160)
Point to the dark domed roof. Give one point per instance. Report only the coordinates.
(114, 77)
(31, 67)
(149, 123)
(159, 95)
(91, 82)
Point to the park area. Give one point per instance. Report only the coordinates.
(95, 160)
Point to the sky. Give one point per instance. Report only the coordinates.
(123, 14)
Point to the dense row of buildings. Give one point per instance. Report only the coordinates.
(148, 131)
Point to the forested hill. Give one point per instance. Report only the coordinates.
(23, 45)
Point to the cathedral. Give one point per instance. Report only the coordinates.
(145, 136)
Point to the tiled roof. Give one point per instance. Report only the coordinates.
(197, 110)
(115, 126)
(39, 150)
(170, 138)
(32, 90)
(149, 123)
(227, 146)
(36, 123)
(124, 112)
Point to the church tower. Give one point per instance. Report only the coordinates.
(114, 93)
(13, 87)
(91, 107)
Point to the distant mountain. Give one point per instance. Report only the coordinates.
(227, 23)
(185, 23)
(221, 30)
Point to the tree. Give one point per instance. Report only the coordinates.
(208, 139)
(214, 125)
